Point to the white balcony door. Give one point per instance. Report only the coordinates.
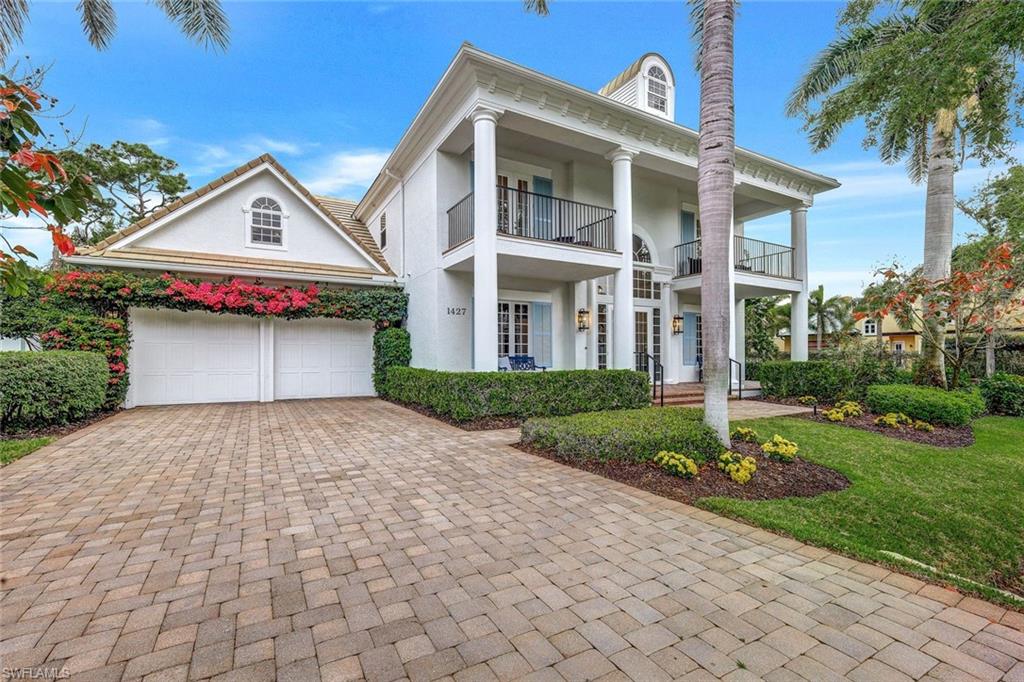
(513, 328)
(648, 341)
(513, 206)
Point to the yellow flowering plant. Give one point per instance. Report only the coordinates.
(921, 425)
(780, 449)
(894, 420)
(834, 415)
(739, 468)
(807, 400)
(676, 464)
(745, 434)
(849, 408)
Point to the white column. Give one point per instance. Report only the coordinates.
(622, 202)
(580, 295)
(739, 320)
(798, 313)
(485, 241)
(592, 332)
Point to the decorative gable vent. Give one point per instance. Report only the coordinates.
(647, 84)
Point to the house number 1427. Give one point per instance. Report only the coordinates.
(456, 311)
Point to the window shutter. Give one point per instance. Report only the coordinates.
(542, 208)
(688, 226)
(471, 167)
(541, 333)
(690, 338)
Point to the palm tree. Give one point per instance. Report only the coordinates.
(827, 315)
(203, 21)
(874, 72)
(714, 22)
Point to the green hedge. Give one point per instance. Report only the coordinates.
(824, 379)
(50, 387)
(934, 405)
(391, 348)
(1004, 394)
(463, 396)
(635, 435)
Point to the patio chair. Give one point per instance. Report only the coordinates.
(504, 365)
(525, 363)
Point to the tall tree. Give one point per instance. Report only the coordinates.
(762, 327)
(965, 51)
(203, 21)
(998, 205)
(134, 181)
(827, 315)
(35, 190)
(714, 29)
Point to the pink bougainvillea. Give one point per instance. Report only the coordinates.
(238, 296)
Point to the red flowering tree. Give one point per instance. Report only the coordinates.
(33, 184)
(973, 305)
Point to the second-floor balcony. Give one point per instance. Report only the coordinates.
(749, 255)
(538, 216)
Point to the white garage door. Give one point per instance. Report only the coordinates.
(193, 357)
(322, 358)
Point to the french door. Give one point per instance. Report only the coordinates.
(647, 337)
(513, 205)
(513, 328)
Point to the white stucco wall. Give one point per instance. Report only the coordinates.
(220, 226)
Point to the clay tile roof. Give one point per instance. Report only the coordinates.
(338, 211)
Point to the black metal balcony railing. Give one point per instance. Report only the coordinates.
(538, 216)
(750, 255)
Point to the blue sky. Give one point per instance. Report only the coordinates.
(329, 87)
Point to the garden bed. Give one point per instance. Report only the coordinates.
(58, 430)
(942, 436)
(773, 480)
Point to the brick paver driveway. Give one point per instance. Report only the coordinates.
(352, 538)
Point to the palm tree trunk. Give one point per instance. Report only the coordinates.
(879, 340)
(938, 241)
(716, 161)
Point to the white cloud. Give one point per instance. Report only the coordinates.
(262, 144)
(841, 282)
(345, 172)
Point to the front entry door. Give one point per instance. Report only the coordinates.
(647, 339)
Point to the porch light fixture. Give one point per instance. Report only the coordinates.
(677, 324)
(582, 319)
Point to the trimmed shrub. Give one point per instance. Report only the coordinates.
(822, 379)
(933, 405)
(50, 387)
(628, 435)
(1004, 394)
(463, 396)
(391, 348)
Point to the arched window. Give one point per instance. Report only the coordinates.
(265, 222)
(657, 89)
(870, 327)
(641, 252)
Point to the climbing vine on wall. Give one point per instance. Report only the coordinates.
(80, 310)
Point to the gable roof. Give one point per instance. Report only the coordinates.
(336, 211)
(631, 71)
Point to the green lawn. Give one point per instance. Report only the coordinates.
(959, 510)
(11, 450)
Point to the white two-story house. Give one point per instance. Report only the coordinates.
(524, 216)
(528, 216)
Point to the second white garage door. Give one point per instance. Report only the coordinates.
(322, 358)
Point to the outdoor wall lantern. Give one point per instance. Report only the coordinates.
(677, 324)
(583, 319)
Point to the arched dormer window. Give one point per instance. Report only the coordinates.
(266, 222)
(657, 89)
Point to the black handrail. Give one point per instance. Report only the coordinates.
(751, 255)
(739, 366)
(538, 216)
(645, 362)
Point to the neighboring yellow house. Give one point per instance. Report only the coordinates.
(895, 337)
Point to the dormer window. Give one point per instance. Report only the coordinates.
(657, 89)
(266, 223)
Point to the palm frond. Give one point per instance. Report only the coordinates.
(697, 35)
(13, 14)
(841, 59)
(203, 21)
(536, 6)
(98, 21)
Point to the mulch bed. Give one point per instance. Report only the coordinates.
(772, 480)
(942, 436)
(58, 430)
(484, 424)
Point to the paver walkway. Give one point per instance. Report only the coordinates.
(341, 539)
